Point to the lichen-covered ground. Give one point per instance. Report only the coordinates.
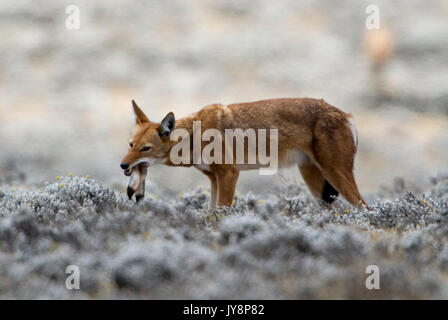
(281, 246)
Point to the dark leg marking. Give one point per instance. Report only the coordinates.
(130, 192)
(329, 193)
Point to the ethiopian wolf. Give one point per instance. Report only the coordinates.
(309, 133)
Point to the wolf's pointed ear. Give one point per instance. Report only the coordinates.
(167, 125)
(140, 117)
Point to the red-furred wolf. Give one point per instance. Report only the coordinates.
(317, 137)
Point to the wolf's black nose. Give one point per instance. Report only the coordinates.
(124, 166)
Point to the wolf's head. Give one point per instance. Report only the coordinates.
(150, 142)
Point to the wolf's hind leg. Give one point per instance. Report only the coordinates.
(320, 188)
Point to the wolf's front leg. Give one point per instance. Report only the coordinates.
(227, 177)
(213, 189)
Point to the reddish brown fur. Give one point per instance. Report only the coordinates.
(321, 131)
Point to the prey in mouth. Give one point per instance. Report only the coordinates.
(137, 177)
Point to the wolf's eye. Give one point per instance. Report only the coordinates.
(147, 148)
(131, 144)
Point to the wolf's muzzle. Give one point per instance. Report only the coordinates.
(124, 166)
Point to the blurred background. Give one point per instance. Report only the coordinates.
(65, 95)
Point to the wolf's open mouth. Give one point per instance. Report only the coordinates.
(128, 171)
